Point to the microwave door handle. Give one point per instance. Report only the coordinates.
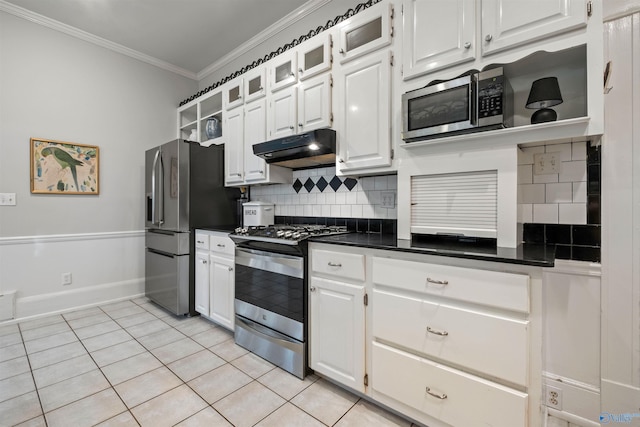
(473, 101)
(154, 193)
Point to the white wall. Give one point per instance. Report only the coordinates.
(55, 86)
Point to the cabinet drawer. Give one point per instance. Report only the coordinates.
(495, 345)
(222, 244)
(202, 240)
(338, 264)
(456, 398)
(504, 290)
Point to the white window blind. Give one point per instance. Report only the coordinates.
(455, 203)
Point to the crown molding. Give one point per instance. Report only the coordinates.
(282, 24)
(288, 20)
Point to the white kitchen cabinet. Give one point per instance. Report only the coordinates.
(337, 318)
(283, 70)
(234, 146)
(245, 126)
(507, 23)
(363, 112)
(314, 56)
(222, 292)
(255, 84)
(233, 93)
(202, 282)
(193, 116)
(437, 34)
(365, 32)
(215, 277)
(301, 108)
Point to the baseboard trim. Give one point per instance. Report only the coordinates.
(59, 302)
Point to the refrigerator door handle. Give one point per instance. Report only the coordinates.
(161, 193)
(154, 193)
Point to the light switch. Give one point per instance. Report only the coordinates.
(7, 199)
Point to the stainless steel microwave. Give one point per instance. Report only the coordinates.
(471, 103)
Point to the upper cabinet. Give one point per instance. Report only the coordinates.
(506, 23)
(255, 86)
(365, 32)
(201, 120)
(441, 33)
(232, 94)
(283, 71)
(437, 34)
(314, 56)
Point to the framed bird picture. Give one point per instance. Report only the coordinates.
(63, 167)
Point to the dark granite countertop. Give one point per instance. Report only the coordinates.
(525, 254)
(221, 228)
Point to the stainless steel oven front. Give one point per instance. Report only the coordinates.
(271, 303)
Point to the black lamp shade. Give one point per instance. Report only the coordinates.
(544, 93)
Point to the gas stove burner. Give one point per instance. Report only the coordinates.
(287, 233)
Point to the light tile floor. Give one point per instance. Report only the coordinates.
(132, 363)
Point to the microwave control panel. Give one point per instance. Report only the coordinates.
(490, 97)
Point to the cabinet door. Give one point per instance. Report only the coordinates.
(233, 94)
(202, 282)
(314, 56)
(314, 103)
(366, 32)
(234, 146)
(283, 71)
(281, 116)
(255, 131)
(363, 88)
(255, 83)
(437, 34)
(222, 292)
(337, 336)
(507, 23)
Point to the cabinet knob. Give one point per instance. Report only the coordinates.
(300, 70)
(440, 396)
(292, 74)
(340, 160)
(203, 261)
(467, 45)
(341, 51)
(300, 124)
(312, 289)
(291, 127)
(488, 38)
(230, 268)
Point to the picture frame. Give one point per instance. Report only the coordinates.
(59, 167)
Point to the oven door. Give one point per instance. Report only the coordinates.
(441, 108)
(270, 290)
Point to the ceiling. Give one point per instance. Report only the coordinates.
(186, 36)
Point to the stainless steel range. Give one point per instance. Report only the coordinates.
(271, 292)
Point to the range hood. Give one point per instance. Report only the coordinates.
(306, 150)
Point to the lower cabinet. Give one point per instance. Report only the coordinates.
(446, 345)
(215, 277)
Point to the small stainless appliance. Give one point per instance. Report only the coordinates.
(474, 102)
(185, 190)
(271, 292)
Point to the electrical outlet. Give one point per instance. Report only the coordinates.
(553, 397)
(546, 163)
(7, 199)
(66, 278)
(388, 199)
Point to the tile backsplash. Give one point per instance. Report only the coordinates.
(320, 193)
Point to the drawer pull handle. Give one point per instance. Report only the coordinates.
(437, 282)
(441, 396)
(333, 264)
(433, 331)
(220, 245)
(200, 242)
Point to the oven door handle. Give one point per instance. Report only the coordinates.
(268, 261)
(269, 334)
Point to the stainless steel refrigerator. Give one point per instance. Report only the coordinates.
(184, 191)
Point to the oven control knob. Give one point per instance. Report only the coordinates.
(245, 230)
(295, 235)
(287, 234)
(279, 233)
(238, 230)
